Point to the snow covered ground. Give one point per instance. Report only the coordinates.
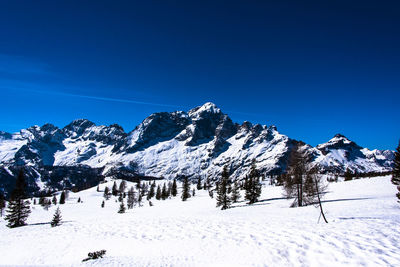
(363, 230)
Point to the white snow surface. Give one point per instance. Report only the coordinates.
(363, 230)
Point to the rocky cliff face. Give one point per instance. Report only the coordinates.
(197, 143)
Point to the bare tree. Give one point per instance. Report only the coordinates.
(302, 182)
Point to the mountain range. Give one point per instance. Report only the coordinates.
(197, 143)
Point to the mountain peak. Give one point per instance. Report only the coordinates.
(339, 137)
(205, 108)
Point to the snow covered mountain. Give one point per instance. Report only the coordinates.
(197, 143)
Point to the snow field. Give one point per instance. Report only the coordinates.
(363, 230)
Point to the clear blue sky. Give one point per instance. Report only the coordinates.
(312, 68)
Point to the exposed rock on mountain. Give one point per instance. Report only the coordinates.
(197, 143)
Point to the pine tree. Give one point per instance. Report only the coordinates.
(106, 194)
(2, 203)
(185, 189)
(174, 189)
(223, 199)
(158, 194)
(54, 200)
(235, 196)
(122, 207)
(396, 170)
(103, 204)
(131, 198)
(169, 188)
(122, 186)
(348, 175)
(46, 204)
(253, 186)
(56, 218)
(62, 198)
(42, 200)
(199, 184)
(164, 192)
(18, 208)
(151, 193)
(139, 200)
(114, 189)
(145, 189)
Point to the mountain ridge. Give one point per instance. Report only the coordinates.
(197, 143)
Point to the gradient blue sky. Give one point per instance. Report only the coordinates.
(312, 68)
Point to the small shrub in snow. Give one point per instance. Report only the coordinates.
(95, 255)
(122, 207)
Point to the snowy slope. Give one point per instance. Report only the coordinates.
(363, 230)
(340, 153)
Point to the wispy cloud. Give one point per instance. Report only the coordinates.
(111, 99)
(27, 87)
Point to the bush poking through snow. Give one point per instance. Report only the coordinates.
(95, 255)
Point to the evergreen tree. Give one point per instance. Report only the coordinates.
(396, 170)
(122, 207)
(174, 189)
(122, 186)
(103, 204)
(2, 203)
(223, 199)
(235, 196)
(246, 183)
(158, 194)
(131, 198)
(114, 189)
(54, 200)
(42, 200)
(145, 189)
(164, 194)
(253, 187)
(18, 208)
(348, 175)
(185, 189)
(62, 198)
(56, 218)
(106, 194)
(199, 184)
(151, 193)
(46, 204)
(139, 200)
(169, 188)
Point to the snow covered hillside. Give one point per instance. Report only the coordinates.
(363, 230)
(197, 143)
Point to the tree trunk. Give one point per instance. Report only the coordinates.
(319, 201)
